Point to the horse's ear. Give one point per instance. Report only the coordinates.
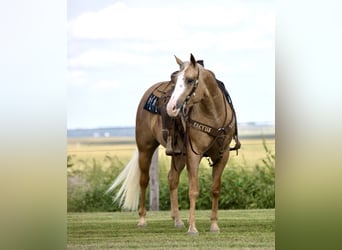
(193, 60)
(179, 61)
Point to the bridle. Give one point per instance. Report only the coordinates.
(192, 93)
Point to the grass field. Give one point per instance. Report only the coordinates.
(240, 229)
(84, 150)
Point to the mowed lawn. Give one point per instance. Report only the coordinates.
(240, 229)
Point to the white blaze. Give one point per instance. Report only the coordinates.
(171, 107)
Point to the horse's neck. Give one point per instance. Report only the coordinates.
(212, 107)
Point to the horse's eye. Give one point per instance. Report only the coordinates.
(189, 81)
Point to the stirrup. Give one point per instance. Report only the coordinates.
(236, 147)
(168, 149)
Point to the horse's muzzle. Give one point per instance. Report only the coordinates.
(173, 108)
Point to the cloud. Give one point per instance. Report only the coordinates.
(120, 21)
(103, 57)
(215, 16)
(246, 39)
(232, 27)
(222, 69)
(76, 77)
(106, 44)
(106, 84)
(80, 78)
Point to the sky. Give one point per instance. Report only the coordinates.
(118, 49)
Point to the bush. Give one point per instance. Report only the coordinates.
(87, 187)
(242, 187)
(249, 188)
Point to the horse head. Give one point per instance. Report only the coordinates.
(186, 84)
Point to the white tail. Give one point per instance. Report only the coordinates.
(130, 189)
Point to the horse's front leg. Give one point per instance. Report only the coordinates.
(215, 190)
(192, 167)
(177, 165)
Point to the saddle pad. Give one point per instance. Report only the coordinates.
(152, 104)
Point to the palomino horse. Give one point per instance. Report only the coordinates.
(209, 125)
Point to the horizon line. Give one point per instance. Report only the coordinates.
(133, 126)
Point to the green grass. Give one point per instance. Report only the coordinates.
(242, 229)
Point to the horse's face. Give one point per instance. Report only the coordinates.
(186, 84)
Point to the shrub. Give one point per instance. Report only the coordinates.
(86, 188)
(249, 188)
(242, 187)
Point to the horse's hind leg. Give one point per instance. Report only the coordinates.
(215, 190)
(177, 165)
(144, 164)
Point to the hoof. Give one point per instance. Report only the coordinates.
(214, 230)
(192, 233)
(142, 222)
(179, 224)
